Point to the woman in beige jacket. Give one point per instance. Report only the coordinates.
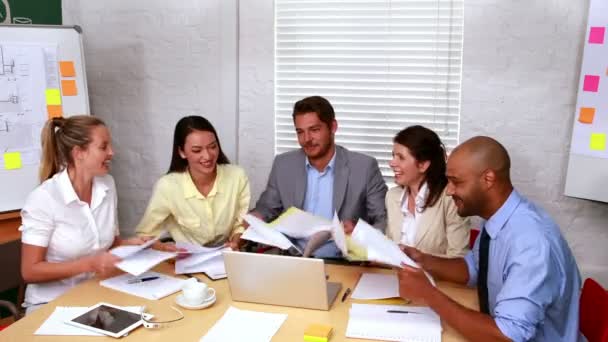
(420, 214)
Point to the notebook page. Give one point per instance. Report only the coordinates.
(369, 321)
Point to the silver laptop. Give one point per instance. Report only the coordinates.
(279, 280)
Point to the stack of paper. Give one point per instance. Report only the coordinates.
(55, 325)
(377, 286)
(245, 325)
(151, 289)
(410, 323)
(140, 258)
(202, 259)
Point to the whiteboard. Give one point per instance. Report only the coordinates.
(587, 175)
(27, 86)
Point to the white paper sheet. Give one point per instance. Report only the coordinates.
(299, 224)
(377, 286)
(379, 247)
(369, 321)
(192, 248)
(127, 251)
(55, 324)
(153, 289)
(211, 263)
(260, 232)
(382, 249)
(337, 233)
(143, 260)
(245, 325)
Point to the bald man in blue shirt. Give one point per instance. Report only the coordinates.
(527, 280)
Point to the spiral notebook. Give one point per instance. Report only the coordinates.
(411, 324)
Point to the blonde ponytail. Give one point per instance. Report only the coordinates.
(59, 136)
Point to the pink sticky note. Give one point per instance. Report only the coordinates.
(596, 35)
(591, 83)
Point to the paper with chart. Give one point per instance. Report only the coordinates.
(245, 325)
(369, 321)
(376, 286)
(23, 100)
(152, 289)
(55, 324)
(208, 260)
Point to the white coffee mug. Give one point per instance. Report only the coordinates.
(195, 292)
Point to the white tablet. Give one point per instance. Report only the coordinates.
(107, 319)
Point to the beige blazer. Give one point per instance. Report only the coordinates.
(440, 230)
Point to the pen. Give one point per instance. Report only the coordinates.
(139, 280)
(405, 312)
(346, 293)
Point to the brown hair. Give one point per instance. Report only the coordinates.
(59, 137)
(424, 144)
(315, 104)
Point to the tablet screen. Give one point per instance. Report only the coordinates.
(108, 318)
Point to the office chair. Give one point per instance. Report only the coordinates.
(593, 314)
(473, 237)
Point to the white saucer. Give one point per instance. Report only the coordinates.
(205, 304)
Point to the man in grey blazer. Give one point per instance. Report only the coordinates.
(322, 177)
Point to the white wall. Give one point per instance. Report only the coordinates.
(150, 61)
(148, 64)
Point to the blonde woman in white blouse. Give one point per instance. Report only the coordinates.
(70, 220)
(419, 213)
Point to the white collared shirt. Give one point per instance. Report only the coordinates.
(54, 217)
(410, 221)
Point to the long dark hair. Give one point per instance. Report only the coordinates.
(184, 127)
(424, 144)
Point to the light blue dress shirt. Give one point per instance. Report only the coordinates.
(533, 280)
(319, 201)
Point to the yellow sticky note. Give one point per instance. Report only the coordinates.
(598, 142)
(54, 111)
(53, 96)
(12, 160)
(66, 68)
(68, 88)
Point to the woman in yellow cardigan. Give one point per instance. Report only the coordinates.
(202, 197)
(420, 214)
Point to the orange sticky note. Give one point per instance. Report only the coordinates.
(68, 88)
(66, 68)
(586, 115)
(54, 111)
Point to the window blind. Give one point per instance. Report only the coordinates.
(383, 65)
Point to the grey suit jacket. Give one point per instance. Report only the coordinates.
(359, 188)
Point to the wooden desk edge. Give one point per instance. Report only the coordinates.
(9, 225)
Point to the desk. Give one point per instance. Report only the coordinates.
(9, 225)
(196, 323)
